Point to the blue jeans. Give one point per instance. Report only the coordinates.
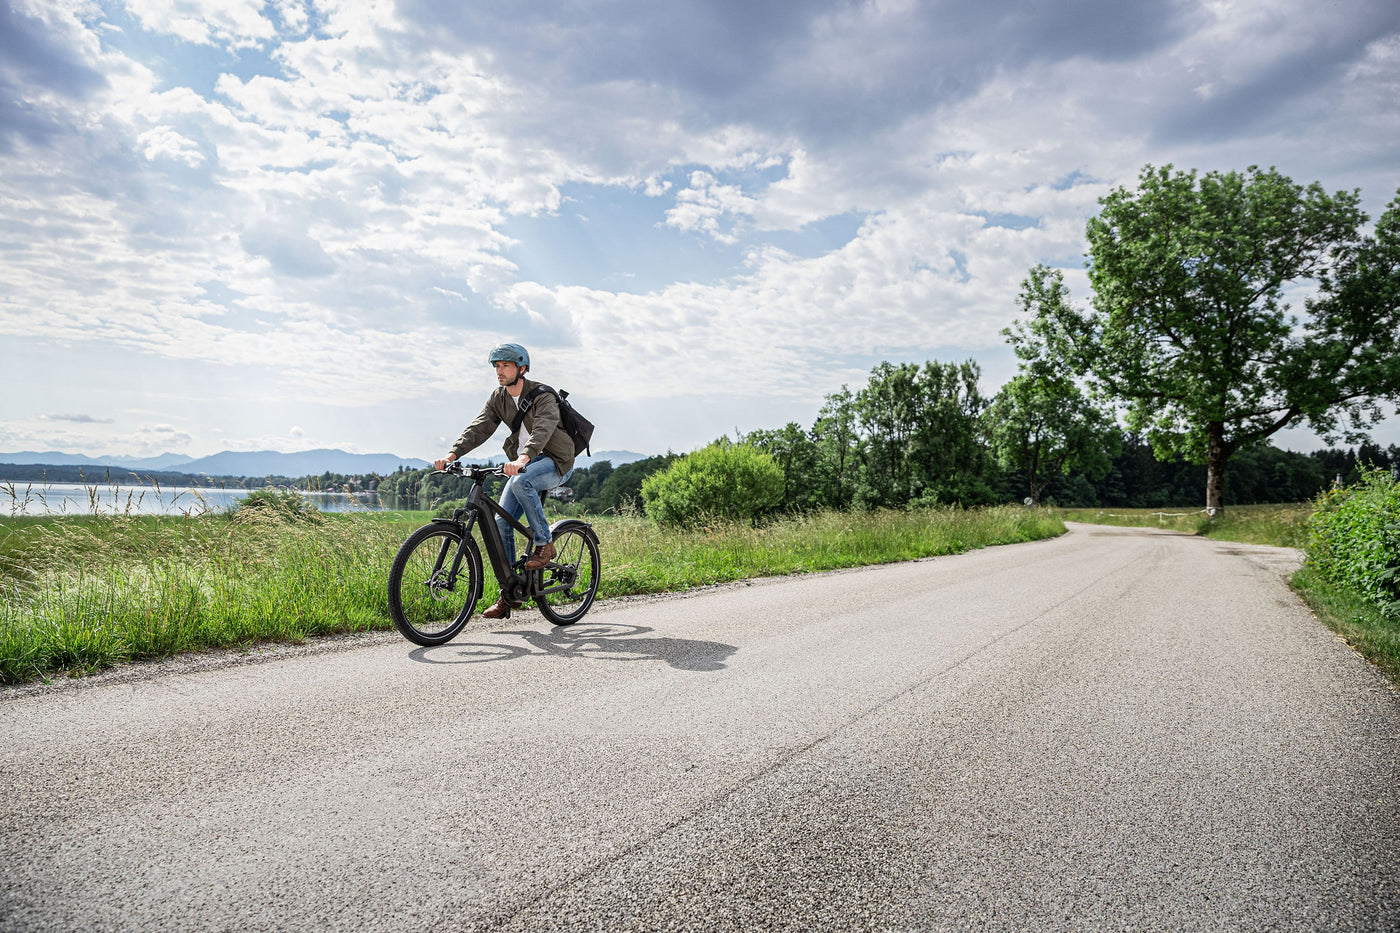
(522, 497)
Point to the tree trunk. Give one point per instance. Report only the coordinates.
(1217, 453)
(1033, 476)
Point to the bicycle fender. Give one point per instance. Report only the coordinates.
(573, 524)
(446, 521)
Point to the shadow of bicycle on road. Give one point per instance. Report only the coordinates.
(597, 641)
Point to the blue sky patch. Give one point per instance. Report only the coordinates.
(819, 237)
(613, 239)
(616, 239)
(185, 64)
(1009, 221)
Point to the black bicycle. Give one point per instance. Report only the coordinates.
(436, 581)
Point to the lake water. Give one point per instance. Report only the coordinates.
(77, 499)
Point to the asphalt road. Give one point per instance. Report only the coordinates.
(1115, 730)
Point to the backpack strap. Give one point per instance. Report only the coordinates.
(527, 400)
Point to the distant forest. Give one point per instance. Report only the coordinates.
(1259, 474)
(1135, 479)
(40, 473)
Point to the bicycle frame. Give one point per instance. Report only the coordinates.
(480, 505)
(430, 570)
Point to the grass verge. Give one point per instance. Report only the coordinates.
(1278, 525)
(1359, 622)
(81, 594)
(640, 558)
(78, 594)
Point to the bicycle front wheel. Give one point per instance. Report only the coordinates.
(429, 600)
(570, 581)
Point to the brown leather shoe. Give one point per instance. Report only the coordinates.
(543, 555)
(501, 610)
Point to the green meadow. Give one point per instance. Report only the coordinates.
(81, 593)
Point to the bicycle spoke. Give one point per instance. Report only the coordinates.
(427, 603)
(572, 576)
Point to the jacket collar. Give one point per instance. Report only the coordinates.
(525, 386)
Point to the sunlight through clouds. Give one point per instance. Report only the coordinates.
(330, 209)
(237, 23)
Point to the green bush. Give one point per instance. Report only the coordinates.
(728, 482)
(1354, 539)
(275, 506)
(447, 508)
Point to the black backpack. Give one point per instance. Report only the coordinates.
(575, 425)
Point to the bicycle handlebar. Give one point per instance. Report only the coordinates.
(458, 468)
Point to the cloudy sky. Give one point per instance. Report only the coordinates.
(238, 224)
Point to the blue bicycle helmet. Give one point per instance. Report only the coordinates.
(510, 353)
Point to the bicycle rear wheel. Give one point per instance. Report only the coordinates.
(428, 602)
(573, 575)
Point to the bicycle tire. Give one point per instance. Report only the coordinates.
(576, 565)
(425, 608)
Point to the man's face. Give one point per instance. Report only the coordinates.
(506, 372)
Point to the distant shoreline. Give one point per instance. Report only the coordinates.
(54, 499)
(362, 480)
(104, 475)
(242, 470)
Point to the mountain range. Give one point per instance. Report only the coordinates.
(264, 462)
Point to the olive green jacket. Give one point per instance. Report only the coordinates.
(547, 438)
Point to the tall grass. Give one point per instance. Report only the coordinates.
(638, 557)
(78, 594)
(1359, 621)
(1352, 577)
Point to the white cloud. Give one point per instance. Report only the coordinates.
(292, 15)
(98, 437)
(710, 207)
(237, 23)
(76, 419)
(913, 279)
(341, 218)
(164, 143)
(152, 439)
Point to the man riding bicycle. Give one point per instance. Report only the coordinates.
(540, 457)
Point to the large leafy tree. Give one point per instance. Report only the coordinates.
(921, 434)
(1040, 428)
(838, 454)
(1041, 423)
(1189, 327)
(798, 456)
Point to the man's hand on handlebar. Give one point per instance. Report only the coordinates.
(512, 467)
(441, 465)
